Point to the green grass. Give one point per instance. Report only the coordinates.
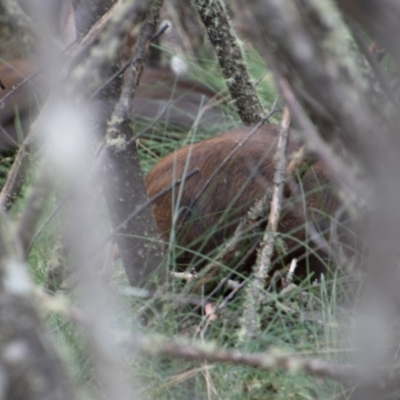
(312, 327)
(166, 378)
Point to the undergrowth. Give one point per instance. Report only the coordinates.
(306, 320)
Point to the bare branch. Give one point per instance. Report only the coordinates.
(250, 317)
(89, 73)
(314, 141)
(272, 360)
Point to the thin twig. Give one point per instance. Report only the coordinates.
(15, 177)
(153, 122)
(145, 294)
(161, 31)
(123, 68)
(267, 361)
(314, 140)
(36, 73)
(373, 62)
(250, 318)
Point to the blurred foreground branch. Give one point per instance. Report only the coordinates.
(30, 367)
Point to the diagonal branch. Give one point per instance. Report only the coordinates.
(231, 59)
(251, 318)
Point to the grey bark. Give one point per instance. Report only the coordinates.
(30, 368)
(123, 181)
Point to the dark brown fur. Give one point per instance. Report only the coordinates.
(186, 96)
(245, 178)
(157, 87)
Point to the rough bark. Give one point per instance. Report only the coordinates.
(231, 59)
(15, 178)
